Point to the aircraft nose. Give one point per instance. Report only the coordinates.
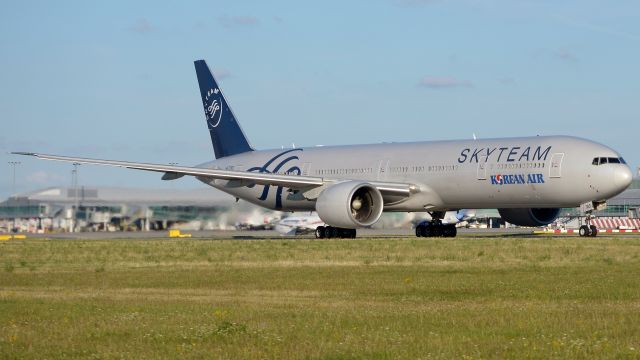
(622, 177)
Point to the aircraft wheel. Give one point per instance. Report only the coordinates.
(330, 232)
(594, 231)
(427, 231)
(348, 233)
(451, 231)
(436, 230)
(584, 230)
(420, 230)
(320, 232)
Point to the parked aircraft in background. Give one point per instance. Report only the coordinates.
(257, 220)
(528, 179)
(299, 224)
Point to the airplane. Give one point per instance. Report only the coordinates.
(528, 179)
(300, 224)
(257, 220)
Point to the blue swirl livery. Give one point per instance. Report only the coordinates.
(277, 165)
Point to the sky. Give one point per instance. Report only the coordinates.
(115, 79)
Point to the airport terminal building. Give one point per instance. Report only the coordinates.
(114, 209)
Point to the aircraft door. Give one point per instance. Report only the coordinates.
(383, 169)
(305, 169)
(482, 171)
(555, 166)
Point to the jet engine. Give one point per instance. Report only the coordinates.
(350, 204)
(529, 216)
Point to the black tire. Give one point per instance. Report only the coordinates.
(420, 230)
(320, 232)
(583, 231)
(594, 231)
(445, 230)
(437, 230)
(450, 231)
(427, 231)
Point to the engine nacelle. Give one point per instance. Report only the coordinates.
(350, 204)
(529, 216)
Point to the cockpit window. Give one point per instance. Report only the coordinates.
(608, 160)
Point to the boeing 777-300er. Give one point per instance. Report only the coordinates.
(528, 179)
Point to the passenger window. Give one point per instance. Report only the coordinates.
(603, 160)
(614, 161)
(595, 161)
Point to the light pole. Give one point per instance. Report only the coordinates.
(13, 191)
(74, 184)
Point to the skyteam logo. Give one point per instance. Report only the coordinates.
(516, 179)
(213, 108)
(278, 164)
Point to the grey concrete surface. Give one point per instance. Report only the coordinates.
(266, 234)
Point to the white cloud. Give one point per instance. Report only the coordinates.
(507, 80)
(42, 177)
(568, 21)
(141, 26)
(221, 73)
(566, 55)
(238, 21)
(441, 82)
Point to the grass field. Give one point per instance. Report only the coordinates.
(384, 298)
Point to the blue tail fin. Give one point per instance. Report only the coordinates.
(226, 135)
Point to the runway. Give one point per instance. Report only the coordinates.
(271, 234)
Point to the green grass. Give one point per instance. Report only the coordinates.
(385, 298)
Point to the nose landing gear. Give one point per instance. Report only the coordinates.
(588, 229)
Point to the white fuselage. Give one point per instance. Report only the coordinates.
(553, 171)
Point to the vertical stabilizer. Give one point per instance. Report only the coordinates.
(226, 135)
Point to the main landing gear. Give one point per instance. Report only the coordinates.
(330, 232)
(429, 229)
(435, 227)
(588, 229)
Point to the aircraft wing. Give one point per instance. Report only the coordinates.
(239, 178)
